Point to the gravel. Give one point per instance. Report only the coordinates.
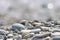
(41, 31)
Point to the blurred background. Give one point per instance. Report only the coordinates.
(15, 10)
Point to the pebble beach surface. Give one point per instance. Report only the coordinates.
(31, 30)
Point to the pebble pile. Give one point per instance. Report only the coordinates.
(31, 30)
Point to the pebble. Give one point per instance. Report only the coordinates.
(47, 38)
(48, 24)
(23, 22)
(31, 31)
(3, 32)
(41, 36)
(57, 22)
(2, 37)
(56, 38)
(18, 26)
(57, 26)
(35, 30)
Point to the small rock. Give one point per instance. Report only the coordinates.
(41, 36)
(47, 38)
(35, 30)
(18, 26)
(9, 37)
(2, 37)
(3, 32)
(55, 38)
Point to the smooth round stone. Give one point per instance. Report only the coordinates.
(29, 26)
(48, 24)
(23, 22)
(36, 38)
(32, 34)
(17, 38)
(57, 26)
(55, 34)
(43, 28)
(29, 35)
(42, 35)
(3, 32)
(37, 23)
(35, 30)
(18, 26)
(20, 36)
(25, 31)
(10, 35)
(58, 22)
(31, 31)
(47, 38)
(56, 38)
(2, 37)
(55, 30)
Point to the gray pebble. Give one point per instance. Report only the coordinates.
(18, 26)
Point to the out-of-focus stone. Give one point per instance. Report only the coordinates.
(47, 38)
(43, 28)
(28, 35)
(55, 36)
(2, 37)
(3, 32)
(35, 30)
(9, 37)
(31, 31)
(23, 22)
(18, 26)
(48, 24)
(41, 36)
